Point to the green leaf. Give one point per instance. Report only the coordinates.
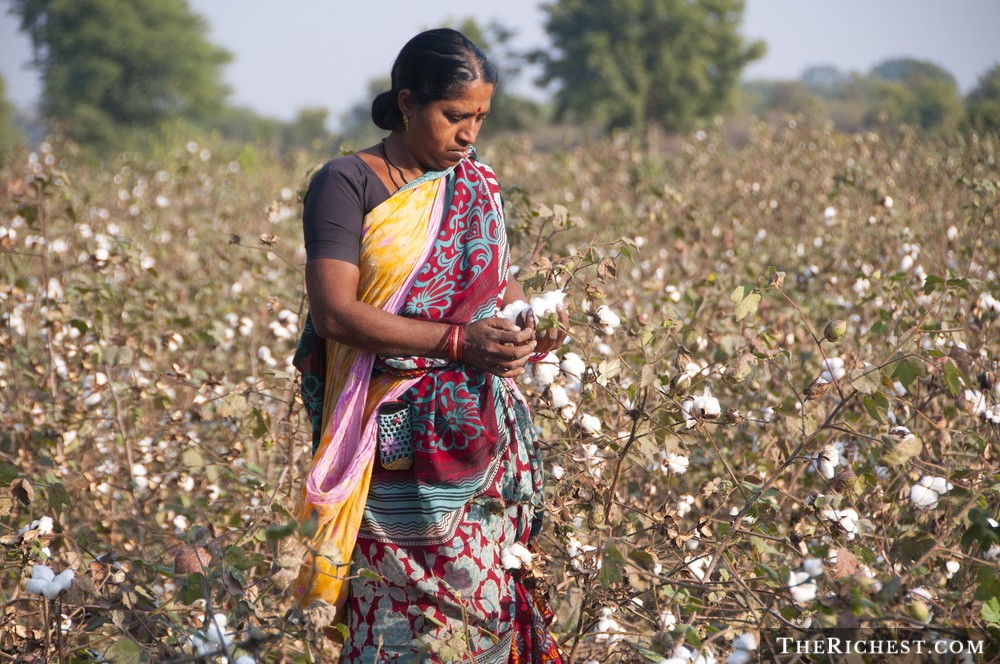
(866, 379)
(932, 283)
(746, 299)
(872, 409)
(991, 610)
(952, 378)
(279, 531)
(191, 590)
(903, 451)
(908, 370)
(125, 651)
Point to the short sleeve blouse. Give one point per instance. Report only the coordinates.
(339, 197)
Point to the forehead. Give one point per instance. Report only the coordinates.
(473, 96)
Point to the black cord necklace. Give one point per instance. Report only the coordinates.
(389, 165)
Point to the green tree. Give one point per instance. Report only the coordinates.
(10, 135)
(983, 103)
(114, 67)
(642, 63)
(915, 92)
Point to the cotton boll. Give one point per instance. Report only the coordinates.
(590, 424)
(802, 587)
(573, 365)
(509, 560)
(43, 572)
(545, 370)
(677, 463)
(513, 310)
(36, 586)
(937, 484)
(813, 567)
(557, 397)
(923, 497)
(546, 303)
(557, 472)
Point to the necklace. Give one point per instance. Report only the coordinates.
(389, 165)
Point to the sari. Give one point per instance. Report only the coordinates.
(414, 556)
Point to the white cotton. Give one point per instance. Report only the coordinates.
(923, 497)
(802, 587)
(813, 567)
(513, 310)
(684, 505)
(557, 472)
(951, 568)
(43, 572)
(545, 370)
(826, 461)
(846, 519)
(509, 560)
(573, 365)
(706, 405)
(677, 463)
(215, 630)
(590, 424)
(546, 303)
(667, 620)
(558, 397)
(739, 657)
(697, 566)
(607, 320)
(745, 641)
(938, 485)
(833, 368)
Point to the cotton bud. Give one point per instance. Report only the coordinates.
(920, 611)
(835, 330)
(817, 389)
(987, 379)
(733, 416)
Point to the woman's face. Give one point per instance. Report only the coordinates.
(441, 132)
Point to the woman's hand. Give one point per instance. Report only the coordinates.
(498, 346)
(552, 338)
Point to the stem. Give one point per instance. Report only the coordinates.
(621, 457)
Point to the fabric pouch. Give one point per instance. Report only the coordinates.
(395, 438)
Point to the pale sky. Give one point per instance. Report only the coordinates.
(299, 53)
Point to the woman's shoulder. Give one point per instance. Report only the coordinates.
(349, 166)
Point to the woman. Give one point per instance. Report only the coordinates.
(425, 470)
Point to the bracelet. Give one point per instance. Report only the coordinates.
(456, 337)
(538, 357)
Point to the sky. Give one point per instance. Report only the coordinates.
(308, 53)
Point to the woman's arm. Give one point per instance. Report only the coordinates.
(493, 344)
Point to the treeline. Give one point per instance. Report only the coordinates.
(903, 91)
(123, 74)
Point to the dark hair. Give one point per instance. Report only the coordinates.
(434, 65)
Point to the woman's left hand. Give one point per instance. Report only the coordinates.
(552, 338)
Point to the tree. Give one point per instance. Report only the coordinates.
(983, 103)
(640, 63)
(111, 66)
(10, 135)
(915, 92)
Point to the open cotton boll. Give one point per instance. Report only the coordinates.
(937, 484)
(590, 424)
(515, 556)
(558, 397)
(215, 630)
(923, 497)
(546, 303)
(64, 579)
(43, 572)
(813, 567)
(36, 586)
(573, 365)
(245, 659)
(513, 310)
(802, 587)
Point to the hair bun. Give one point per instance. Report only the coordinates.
(385, 111)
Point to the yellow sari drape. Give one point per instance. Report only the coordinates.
(396, 238)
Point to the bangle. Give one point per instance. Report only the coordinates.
(456, 337)
(538, 357)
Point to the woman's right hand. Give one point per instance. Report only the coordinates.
(498, 346)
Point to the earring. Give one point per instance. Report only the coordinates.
(406, 123)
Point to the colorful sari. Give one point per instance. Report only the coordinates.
(415, 555)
